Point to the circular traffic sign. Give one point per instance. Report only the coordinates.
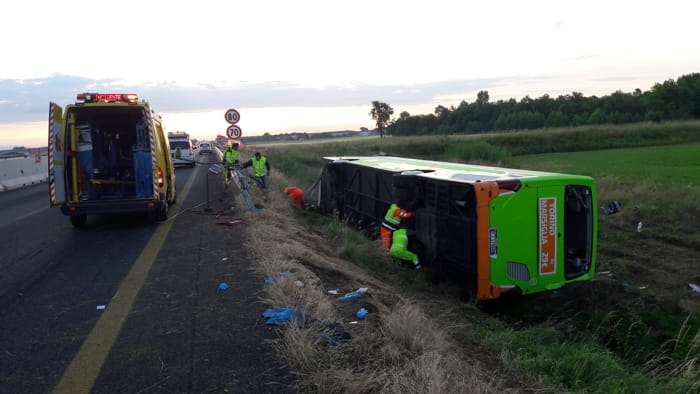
(234, 132)
(232, 116)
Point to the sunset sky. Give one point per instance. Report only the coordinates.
(318, 65)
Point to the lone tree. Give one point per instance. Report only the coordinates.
(381, 113)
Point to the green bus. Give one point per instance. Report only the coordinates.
(496, 230)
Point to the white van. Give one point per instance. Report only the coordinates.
(181, 149)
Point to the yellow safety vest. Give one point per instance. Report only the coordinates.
(230, 156)
(259, 166)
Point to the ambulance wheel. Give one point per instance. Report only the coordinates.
(161, 213)
(78, 220)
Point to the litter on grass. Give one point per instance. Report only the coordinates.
(282, 274)
(333, 333)
(609, 209)
(355, 294)
(230, 224)
(362, 313)
(350, 296)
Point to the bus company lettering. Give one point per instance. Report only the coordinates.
(548, 235)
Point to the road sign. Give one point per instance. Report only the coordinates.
(232, 116)
(234, 132)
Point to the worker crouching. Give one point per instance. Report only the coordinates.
(296, 194)
(399, 248)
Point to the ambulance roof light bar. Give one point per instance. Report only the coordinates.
(111, 97)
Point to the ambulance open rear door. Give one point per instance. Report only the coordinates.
(57, 156)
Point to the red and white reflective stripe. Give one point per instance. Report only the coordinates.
(154, 158)
(52, 141)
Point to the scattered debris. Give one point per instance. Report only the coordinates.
(223, 286)
(282, 274)
(334, 292)
(101, 307)
(298, 283)
(362, 313)
(695, 288)
(611, 208)
(355, 294)
(230, 224)
(350, 296)
(278, 315)
(224, 259)
(333, 333)
(639, 227)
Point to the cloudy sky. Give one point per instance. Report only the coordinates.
(310, 65)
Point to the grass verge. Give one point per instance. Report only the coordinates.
(633, 329)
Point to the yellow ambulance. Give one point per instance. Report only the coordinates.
(109, 154)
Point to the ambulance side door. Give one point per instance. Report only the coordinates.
(57, 156)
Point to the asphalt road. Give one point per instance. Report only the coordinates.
(126, 306)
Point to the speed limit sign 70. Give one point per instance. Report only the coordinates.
(232, 116)
(234, 132)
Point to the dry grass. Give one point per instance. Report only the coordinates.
(399, 347)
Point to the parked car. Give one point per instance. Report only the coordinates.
(181, 149)
(205, 148)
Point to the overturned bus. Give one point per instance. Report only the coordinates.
(497, 230)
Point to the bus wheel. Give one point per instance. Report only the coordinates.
(78, 220)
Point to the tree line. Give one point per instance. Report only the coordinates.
(670, 100)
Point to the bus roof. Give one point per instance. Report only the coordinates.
(446, 170)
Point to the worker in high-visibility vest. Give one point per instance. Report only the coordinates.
(229, 159)
(261, 168)
(391, 222)
(399, 248)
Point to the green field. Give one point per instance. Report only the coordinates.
(665, 166)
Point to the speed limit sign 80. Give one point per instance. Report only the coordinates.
(232, 116)
(234, 132)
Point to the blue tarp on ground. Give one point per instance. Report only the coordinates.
(334, 333)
